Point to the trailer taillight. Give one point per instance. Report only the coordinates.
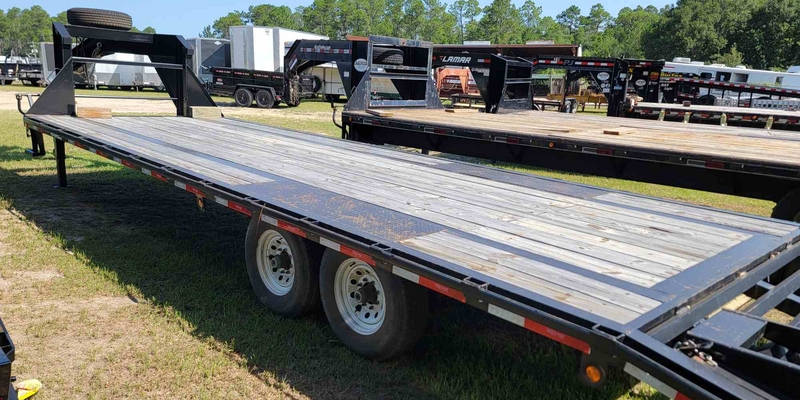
(593, 374)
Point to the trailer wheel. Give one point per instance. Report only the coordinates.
(265, 99)
(282, 269)
(788, 207)
(99, 18)
(374, 313)
(243, 97)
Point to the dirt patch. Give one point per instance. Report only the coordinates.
(266, 114)
(40, 276)
(9, 102)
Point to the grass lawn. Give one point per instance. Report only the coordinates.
(119, 287)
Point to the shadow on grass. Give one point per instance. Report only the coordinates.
(190, 264)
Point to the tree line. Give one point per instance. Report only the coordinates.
(21, 30)
(759, 33)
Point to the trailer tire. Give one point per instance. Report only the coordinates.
(788, 207)
(99, 18)
(269, 282)
(265, 99)
(243, 97)
(706, 100)
(402, 307)
(390, 56)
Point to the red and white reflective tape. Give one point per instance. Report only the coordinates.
(485, 60)
(324, 50)
(233, 205)
(128, 164)
(154, 174)
(540, 329)
(594, 63)
(662, 387)
(430, 284)
(284, 225)
(347, 251)
(189, 188)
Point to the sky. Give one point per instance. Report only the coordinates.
(189, 17)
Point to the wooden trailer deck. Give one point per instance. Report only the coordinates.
(696, 108)
(621, 259)
(731, 143)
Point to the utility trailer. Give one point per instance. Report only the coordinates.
(767, 118)
(627, 281)
(724, 103)
(614, 78)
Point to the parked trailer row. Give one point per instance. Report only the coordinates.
(627, 281)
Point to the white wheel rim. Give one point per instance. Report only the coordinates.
(359, 296)
(275, 262)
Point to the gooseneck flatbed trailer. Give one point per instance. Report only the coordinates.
(627, 281)
(748, 162)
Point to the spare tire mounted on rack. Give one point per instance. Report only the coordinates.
(99, 18)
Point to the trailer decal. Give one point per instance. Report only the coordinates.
(540, 329)
(662, 387)
(430, 284)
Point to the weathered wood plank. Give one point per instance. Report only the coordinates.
(393, 193)
(683, 248)
(578, 291)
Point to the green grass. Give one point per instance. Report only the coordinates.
(70, 257)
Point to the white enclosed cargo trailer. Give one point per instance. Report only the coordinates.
(111, 75)
(209, 52)
(262, 48)
(740, 74)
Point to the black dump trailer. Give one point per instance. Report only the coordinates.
(30, 74)
(266, 88)
(627, 281)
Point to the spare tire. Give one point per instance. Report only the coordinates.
(383, 55)
(99, 18)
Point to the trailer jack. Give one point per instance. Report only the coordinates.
(37, 144)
